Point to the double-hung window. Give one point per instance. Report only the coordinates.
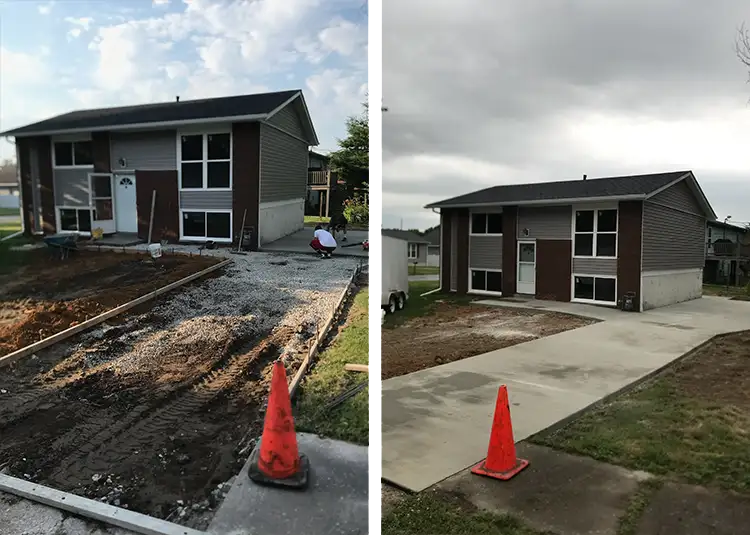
(486, 223)
(205, 161)
(413, 251)
(73, 154)
(596, 233)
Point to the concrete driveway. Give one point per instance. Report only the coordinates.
(436, 422)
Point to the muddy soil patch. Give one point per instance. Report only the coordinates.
(48, 295)
(458, 331)
(157, 411)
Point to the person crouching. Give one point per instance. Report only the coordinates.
(323, 242)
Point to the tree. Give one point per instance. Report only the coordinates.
(8, 172)
(351, 163)
(742, 45)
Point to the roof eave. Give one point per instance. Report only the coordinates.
(136, 126)
(545, 202)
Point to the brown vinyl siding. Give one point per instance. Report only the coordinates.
(288, 119)
(595, 266)
(486, 252)
(545, 223)
(553, 273)
(510, 220)
(167, 208)
(463, 221)
(283, 166)
(46, 185)
(246, 178)
(27, 196)
(630, 217)
(446, 249)
(678, 196)
(101, 152)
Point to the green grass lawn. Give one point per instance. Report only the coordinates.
(722, 290)
(421, 306)
(428, 514)
(328, 379)
(10, 211)
(9, 228)
(313, 219)
(423, 270)
(661, 429)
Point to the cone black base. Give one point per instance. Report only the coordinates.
(298, 480)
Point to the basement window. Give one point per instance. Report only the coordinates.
(73, 154)
(207, 225)
(75, 220)
(486, 281)
(598, 289)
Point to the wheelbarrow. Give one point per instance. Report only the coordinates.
(62, 244)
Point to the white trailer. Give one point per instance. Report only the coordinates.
(395, 274)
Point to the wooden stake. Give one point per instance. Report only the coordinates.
(357, 368)
(151, 219)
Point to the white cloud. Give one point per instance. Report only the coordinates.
(45, 9)
(344, 37)
(21, 69)
(74, 33)
(161, 2)
(83, 22)
(344, 89)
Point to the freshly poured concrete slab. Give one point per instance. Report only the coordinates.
(299, 242)
(436, 422)
(335, 503)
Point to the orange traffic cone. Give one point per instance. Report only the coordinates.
(501, 462)
(276, 459)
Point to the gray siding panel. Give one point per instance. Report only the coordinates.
(283, 166)
(548, 223)
(144, 151)
(453, 221)
(595, 266)
(672, 239)
(679, 196)
(422, 253)
(206, 200)
(486, 252)
(289, 120)
(71, 187)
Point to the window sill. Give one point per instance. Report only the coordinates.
(608, 257)
(75, 167)
(206, 189)
(484, 234)
(592, 302)
(198, 239)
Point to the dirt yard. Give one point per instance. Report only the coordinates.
(157, 411)
(456, 331)
(47, 295)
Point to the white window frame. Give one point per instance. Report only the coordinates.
(486, 214)
(416, 251)
(595, 232)
(575, 299)
(58, 219)
(72, 141)
(483, 292)
(204, 134)
(206, 238)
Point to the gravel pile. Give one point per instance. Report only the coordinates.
(253, 295)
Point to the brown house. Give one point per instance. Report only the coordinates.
(606, 241)
(210, 162)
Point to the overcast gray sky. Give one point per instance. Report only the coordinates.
(482, 93)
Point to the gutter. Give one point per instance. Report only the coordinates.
(545, 202)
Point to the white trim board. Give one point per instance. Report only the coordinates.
(674, 271)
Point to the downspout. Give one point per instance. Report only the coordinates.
(440, 275)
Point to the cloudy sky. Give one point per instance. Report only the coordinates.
(485, 93)
(71, 54)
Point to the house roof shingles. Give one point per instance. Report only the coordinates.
(184, 110)
(411, 237)
(620, 186)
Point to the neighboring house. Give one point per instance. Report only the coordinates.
(727, 253)
(433, 250)
(416, 248)
(9, 195)
(589, 241)
(210, 162)
(319, 178)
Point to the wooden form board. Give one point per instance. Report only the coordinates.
(67, 333)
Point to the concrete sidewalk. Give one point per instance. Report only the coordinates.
(299, 242)
(436, 422)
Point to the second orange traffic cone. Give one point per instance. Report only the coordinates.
(276, 459)
(501, 462)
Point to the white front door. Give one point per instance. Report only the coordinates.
(127, 214)
(526, 283)
(102, 202)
